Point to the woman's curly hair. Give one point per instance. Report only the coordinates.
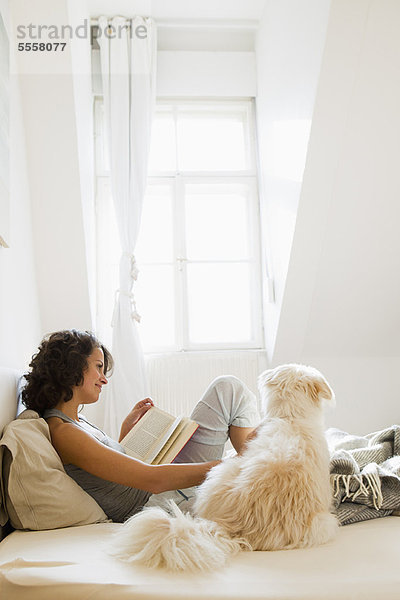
(59, 365)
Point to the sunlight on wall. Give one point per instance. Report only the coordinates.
(290, 141)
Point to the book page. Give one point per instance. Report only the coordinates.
(158, 459)
(150, 434)
(176, 442)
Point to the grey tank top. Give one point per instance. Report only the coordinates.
(119, 502)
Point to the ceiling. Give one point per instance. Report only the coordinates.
(206, 25)
(181, 10)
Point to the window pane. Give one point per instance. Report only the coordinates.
(163, 144)
(217, 222)
(210, 141)
(219, 303)
(155, 243)
(154, 292)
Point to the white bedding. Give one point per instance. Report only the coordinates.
(72, 563)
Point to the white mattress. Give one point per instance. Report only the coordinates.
(363, 562)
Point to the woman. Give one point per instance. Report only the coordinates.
(70, 370)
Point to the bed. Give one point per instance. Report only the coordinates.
(73, 562)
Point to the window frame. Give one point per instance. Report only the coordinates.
(177, 180)
(246, 104)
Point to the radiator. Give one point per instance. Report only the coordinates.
(178, 380)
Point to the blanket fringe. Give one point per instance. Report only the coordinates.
(371, 484)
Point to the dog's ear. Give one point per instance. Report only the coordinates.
(272, 378)
(279, 378)
(320, 390)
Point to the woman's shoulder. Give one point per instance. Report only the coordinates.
(53, 420)
(70, 440)
(56, 418)
(60, 427)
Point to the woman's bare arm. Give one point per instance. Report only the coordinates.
(79, 448)
(239, 436)
(246, 437)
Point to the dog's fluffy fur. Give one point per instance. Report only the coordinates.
(276, 495)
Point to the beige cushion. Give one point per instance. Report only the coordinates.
(37, 491)
(8, 408)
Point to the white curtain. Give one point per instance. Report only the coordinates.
(128, 65)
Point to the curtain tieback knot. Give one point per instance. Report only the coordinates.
(134, 267)
(134, 314)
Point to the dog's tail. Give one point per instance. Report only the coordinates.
(175, 541)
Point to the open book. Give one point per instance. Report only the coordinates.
(158, 437)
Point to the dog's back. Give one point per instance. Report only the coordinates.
(270, 495)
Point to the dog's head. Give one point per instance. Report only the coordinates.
(293, 390)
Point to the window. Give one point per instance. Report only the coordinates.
(199, 250)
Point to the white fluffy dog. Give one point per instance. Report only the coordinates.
(275, 495)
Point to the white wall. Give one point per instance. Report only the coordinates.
(212, 74)
(357, 279)
(340, 307)
(289, 48)
(19, 309)
(48, 107)
(366, 388)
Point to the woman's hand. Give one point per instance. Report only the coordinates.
(135, 415)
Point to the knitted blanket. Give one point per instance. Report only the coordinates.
(365, 474)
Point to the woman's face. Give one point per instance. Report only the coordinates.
(93, 378)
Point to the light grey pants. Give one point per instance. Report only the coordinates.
(227, 401)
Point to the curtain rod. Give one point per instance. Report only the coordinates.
(250, 24)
